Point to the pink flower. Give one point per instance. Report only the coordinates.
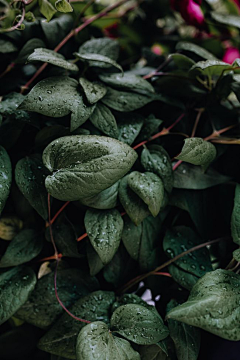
(231, 54)
(190, 11)
(157, 49)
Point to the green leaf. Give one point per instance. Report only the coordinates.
(98, 60)
(63, 6)
(46, 9)
(104, 120)
(213, 305)
(58, 96)
(102, 46)
(186, 338)
(126, 101)
(182, 61)
(7, 47)
(15, 287)
(25, 246)
(62, 337)
(94, 91)
(42, 307)
(197, 151)
(229, 20)
(85, 165)
(152, 352)
(94, 262)
(133, 299)
(150, 127)
(183, 278)
(96, 341)
(8, 108)
(149, 187)
(28, 48)
(5, 177)
(104, 229)
(210, 68)
(236, 255)
(134, 206)
(51, 57)
(129, 82)
(180, 239)
(56, 30)
(30, 176)
(189, 176)
(235, 220)
(106, 199)
(155, 159)
(196, 49)
(138, 324)
(129, 125)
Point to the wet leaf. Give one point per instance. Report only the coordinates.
(28, 48)
(98, 60)
(130, 82)
(51, 57)
(226, 19)
(235, 220)
(152, 352)
(7, 47)
(104, 120)
(5, 177)
(94, 91)
(106, 199)
(183, 278)
(195, 49)
(129, 126)
(103, 46)
(182, 61)
(236, 255)
(210, 68)
(94, 262)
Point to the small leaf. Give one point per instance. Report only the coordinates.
(213, 305)
(96, 341)
(98, 60)
(104, 229)
(106, 199)
(210, 68)
(150, 127)
(134, 206)
(138, 324)
(7, 47)
(103, 46)
(182, 61)
(62, 337)
(236, 255)
(63, 6)
(93, 91)
(149, 187)
(28, 48)
(155, 159)
(104, 120)
(235, 220)
(85, 165)
(197, 151)
(24, 247)
(196, 49)
(130, 82)
(15, 287)
(129, 125)
(126, 101)
(5, 177)
(51, 57)
(30, 176)
(46, 9)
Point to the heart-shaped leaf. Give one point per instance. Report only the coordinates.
(63, 6)
(5, 177)
(213, 305)
(85, 165)
(106, 199)
(51, 57)
(93, 91)
(46, 9)
(104, 229)
(235, 220)
(130, 82)
(98, 60)
(103, 119)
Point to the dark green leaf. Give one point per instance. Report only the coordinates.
(102, 46)
(7, 47)
(155, 159)
(182, 62)
(95, 341)
(104, 229)
(94, 261)
(42, 307)
(61, 338)
(213, 305)
(28, 48)
(235, 220)
(150, 127)
(30, 176)
(8, 108)
(5, 177)
(133, 299)
(129, 125)
(129, 82)
(196, 49)
(85, 165)
(63, 6)
(138, 324)
(236, 255)
(104, 120)
(51, 57)
(183, 278)
(46, 9)
(98, 60)
(152, 352)
(210, 68)
(106, 199)
(56, 29)
(15, 287)
(25, 246)
(94, 91)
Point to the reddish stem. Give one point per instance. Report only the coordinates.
(82, 237)
(162, 274)
(53, 257)
(175, 166)
(58, 213)
(9, 68)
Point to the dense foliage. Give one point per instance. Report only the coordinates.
(119, 179)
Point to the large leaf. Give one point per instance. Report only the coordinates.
(5, 177)
(226, 19)
(182, 62)
(129, 125)
(134, 206)
(138, 324)
(30, 176)
(28, 48)
(180, 239)
(15, 287)
(94, 262)
(213, 305)
(235, 220)
(104, 229)
(130, 82)
(98, 60)
(155, 159)
(51, 57)
(196, 49)
(186, 338)
(58, 96)
(93, 91)
(61, 338)
(103, 119)
(106, 199)
(102, 46)
(149, 187)
(150, 127)
(197, 151)
(95, 341)
(25, 246)
(85, 165)
(126, 101)
(183, 278)
(152, 352)
(42, 307)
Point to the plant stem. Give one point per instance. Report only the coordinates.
(8, 69)
(162, 274)
(53, 257)
(216, 133)
(167, 263)
(200, 111)
(58, 213)
(82, 237)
